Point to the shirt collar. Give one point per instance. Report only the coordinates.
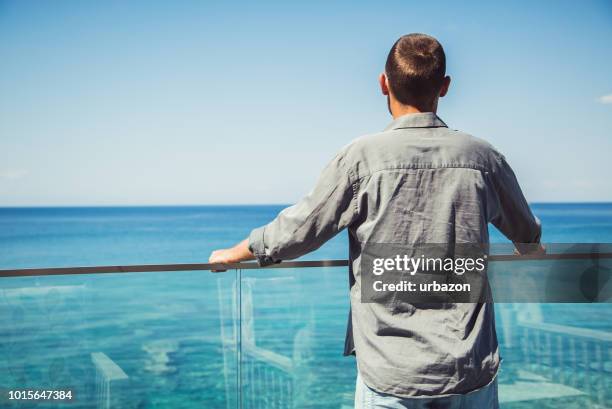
(419, 120)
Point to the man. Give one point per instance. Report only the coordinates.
(415, 182)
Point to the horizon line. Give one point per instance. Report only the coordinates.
(66, 206)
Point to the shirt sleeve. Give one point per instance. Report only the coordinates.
(512, 215)
(305, 226)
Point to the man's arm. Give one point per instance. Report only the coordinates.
(512, 215)
(303, 227)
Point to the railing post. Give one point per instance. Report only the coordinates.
(561, 359)
(574, 358)
(600, 374)
(587, 366)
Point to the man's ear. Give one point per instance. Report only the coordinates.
(382, 80)
(445, 85)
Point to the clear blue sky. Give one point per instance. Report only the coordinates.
(203, 103)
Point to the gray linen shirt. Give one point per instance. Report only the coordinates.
(415, 182)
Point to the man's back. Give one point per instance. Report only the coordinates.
(421, 183)
(432, 181)
(416, 182)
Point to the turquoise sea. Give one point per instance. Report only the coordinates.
(254, 338)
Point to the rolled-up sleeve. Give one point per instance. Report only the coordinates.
(305, 226)
(512, 215)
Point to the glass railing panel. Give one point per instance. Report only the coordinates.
(292, 339)
(294, 323)
(137, 340)
(555, 354)
(267, 338)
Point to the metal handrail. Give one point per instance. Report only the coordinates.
(150, 268)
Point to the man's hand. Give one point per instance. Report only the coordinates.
(535, 249)
(240, 252)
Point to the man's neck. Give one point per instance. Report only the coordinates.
(398, 109)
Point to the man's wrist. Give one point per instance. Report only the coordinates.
(240, 252)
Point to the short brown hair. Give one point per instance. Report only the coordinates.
(415, 69)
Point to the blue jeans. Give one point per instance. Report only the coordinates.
(483, 398)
